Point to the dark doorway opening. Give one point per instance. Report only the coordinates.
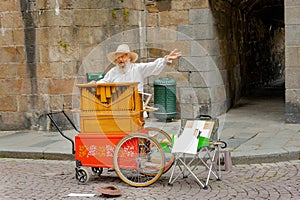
(264, 51)
(251, 34)
(266, 45)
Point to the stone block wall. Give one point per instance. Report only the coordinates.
(200, 86)
(13, 76)
(47, 47)
(229, 52)
(42, 46)
(292, 61)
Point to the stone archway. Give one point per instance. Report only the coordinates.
(252, 40)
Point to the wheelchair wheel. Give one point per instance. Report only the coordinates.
(165, 141)
(139, 160)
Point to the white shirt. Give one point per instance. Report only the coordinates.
(135, 72)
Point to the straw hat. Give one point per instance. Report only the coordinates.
(110, 190)
(123, 48)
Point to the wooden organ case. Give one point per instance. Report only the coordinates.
(110, 108)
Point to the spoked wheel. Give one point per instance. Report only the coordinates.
(165, 142)
(97, 171)
(82, 175)
(139, 160)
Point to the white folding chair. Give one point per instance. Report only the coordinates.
(194, 148)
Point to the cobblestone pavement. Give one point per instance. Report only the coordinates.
(48, 179)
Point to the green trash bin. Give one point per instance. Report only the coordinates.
(165, 99)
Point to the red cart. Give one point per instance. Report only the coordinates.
(113, 135)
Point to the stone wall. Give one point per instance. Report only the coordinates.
(42, 47)
(48, 46)
(200, 86)
(206, 91)
(230, 28)
(292, 61)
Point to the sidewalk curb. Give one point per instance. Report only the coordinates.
(267, 158)
(236, 160)
(37, 155)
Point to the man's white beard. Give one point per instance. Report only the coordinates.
(126, 67)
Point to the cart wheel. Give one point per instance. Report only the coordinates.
(97, 171)
(139, 160)
(82, 175)
(165, 141)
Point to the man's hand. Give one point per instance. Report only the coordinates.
(173, 55)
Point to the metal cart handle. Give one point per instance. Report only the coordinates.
(50, 115)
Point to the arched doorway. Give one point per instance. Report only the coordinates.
(252, 39)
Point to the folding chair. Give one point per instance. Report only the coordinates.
(196, 146)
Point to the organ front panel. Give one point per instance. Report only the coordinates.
(110, 108)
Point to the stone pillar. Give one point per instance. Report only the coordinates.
(206, 91)
(292, 61)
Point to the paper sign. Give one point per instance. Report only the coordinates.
(206, 129)
(187, 141)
